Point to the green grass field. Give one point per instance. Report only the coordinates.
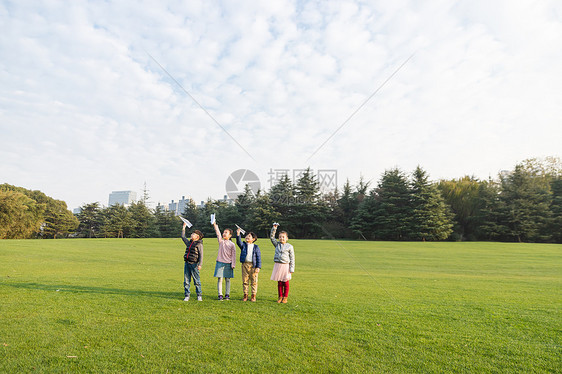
(116, 305)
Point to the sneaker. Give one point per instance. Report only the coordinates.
(199, 298)
(253, 299)
(227, 297)
(186, 298)
(245, 298)
(220, 297)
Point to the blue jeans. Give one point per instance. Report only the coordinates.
(191, 271)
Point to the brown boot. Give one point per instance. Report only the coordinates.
(280, 298)
(245, 297)
(284, 300)
(253, 298)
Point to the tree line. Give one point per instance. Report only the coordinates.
(524, 204)
(32, 214)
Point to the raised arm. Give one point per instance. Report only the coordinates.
(185, 240)
(239, 240)
(272, 235)
(219, 236)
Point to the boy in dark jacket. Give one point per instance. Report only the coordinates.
(250, 257)
(193, 258)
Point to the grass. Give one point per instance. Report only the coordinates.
(116, 305)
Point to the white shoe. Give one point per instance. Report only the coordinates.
(186, 298)
(199, 298)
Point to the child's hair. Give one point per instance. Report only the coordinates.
(198, 233)
(284, 232)
(253, 235)
(229, 230)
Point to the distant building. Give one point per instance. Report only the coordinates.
(228, 200)
(178, 207)
(225, 198)
(77, 210)
(122, 197)
(162, 207)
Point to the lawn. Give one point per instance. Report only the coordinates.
(116, 305)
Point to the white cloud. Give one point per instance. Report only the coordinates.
(84, 110)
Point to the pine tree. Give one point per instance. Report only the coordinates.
(489, 216)
(90, 220)
(526, 205)
(309, 212)
(190, 211)
(59, 221)
(117, 222)
(244, 204)
(363, 221)
(143, 224)
(168, 225)
(392, 210)
(262, 215)
(283, 201)
(431, 218)
(555, 225)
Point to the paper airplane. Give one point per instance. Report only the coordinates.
(241, 229)
(186, 222)
(213, 220)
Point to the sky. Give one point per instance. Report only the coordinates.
(100, 96)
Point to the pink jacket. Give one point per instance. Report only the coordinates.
(227, 250)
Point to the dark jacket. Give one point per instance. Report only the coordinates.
(193, 251)
(256, 256)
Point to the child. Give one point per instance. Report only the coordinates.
(193, 258)
(250, 257)
(226, 260)
(284, 263)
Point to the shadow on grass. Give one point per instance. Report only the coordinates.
(91, 289)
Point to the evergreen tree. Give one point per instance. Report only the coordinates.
(363, 221)
(282, 195)
(309, 212)
(244, 204)
(283, 200)
(142, 220)
(228, 217)
(526, 205)
(431, 218)
(59, 221)
(190, 211)
(90, 220)
(168, 225)
(392, 210)
(555, 225)
(117, 221)
(262, 215)
(350, 200)
(489, 217)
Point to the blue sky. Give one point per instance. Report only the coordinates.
(84, 110)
